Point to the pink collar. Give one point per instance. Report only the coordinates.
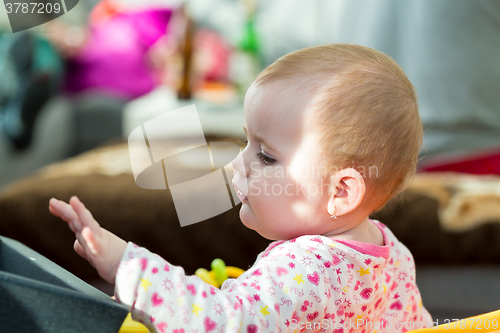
(367, 248)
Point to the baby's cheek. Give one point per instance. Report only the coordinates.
(255, 187)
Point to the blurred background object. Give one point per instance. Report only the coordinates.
(31, 72)
(447, 48)
(101, 70)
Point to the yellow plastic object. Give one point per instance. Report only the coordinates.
(487, 323)
(205, 275)
(131, 326)
(234, 272)
(216, 277)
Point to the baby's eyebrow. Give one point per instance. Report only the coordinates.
(258, 138)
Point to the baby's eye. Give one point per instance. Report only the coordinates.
(264, 158)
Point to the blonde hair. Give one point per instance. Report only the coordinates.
(366, 112)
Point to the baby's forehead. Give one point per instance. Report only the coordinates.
(289, 100)
(279, 113)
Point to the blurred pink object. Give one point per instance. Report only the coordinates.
(114, 59)
(212, 56)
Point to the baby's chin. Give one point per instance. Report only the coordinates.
(250, 221)
(247, 216)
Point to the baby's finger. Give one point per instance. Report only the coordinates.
(85, 217)
(57, 213)
(90, 239)
(62, 207)
(80, 250)
(55, 208)
(82, 253)
(66, 213)
(70, 223)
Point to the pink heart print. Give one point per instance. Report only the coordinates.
(180, 330)
(209, 324)
(191, 288)
(336, 260)
(163, 326)
(312, 316)
(314, 278)
(329, 315)
(144, 263)
(366, 293)
(252, 329)
(410, 286)
(317, 239)
(156, 299)
(277, 308)
(280, 271)
(398, 306)
(257, 272)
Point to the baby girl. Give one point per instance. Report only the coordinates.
(333, 133)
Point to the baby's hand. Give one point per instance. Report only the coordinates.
(99, 247)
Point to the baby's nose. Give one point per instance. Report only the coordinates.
(239, 165)
(240, 177)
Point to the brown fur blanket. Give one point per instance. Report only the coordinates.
(421, 217)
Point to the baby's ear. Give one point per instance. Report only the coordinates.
(347, 191)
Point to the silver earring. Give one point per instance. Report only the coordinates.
(333, 216)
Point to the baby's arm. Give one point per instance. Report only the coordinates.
(162, 297)
(269, 297)
(102, 249)
(273, 295)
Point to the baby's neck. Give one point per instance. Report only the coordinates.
(366, 232)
